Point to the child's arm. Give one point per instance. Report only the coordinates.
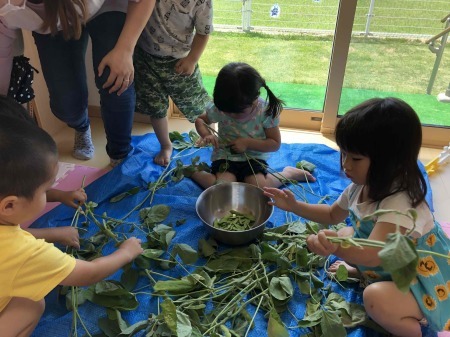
(366, 256)
(186, 65)
(89, 272)
(69, 198)
(201, 125)
(321, 213)
(271, 144)
(67, 236)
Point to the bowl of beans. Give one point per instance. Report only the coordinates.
(234, 213)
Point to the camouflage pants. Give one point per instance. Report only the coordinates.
(155, 80)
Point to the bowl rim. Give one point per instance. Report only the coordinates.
(224, 230)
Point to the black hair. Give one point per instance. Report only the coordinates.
(388, 131)
(238, 85)
(10, 108)
(26, 153)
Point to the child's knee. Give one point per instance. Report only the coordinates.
(24, 314)
(373, 297)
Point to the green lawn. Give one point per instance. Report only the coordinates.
(296, 67)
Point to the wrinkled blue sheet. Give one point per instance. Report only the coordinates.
(139, 170)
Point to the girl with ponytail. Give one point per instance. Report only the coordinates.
(247, 130)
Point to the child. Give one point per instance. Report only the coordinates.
(166, 65)
(10, 108)
(31, 268)
(380, 141)
(247, 130)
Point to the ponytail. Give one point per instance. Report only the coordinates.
(275, 104)
(72, 15)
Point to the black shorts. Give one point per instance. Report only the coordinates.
(241, 169)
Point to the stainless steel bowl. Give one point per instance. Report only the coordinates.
(216, 201)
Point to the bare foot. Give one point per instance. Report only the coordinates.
(352, 271)
(163, 157)
(293, 173)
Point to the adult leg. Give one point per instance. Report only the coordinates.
(394, 310)
(161, 128)
(20, 317)
(64, 69)
(117, 111)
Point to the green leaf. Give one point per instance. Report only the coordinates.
(182, 286)
(311, 319)
(341, 273)
(152, 253)
(169, 311)
(184, 327)
(305, 165)
(206, 248)
(331, 325)
(355, 316)
(275, 327)
(132, 329)
(110, 327)
(155, 214)
(400, 259)
(115, 315)
(187, 254)
(175, 135)
(281, 288)
(301, 257)
(119, 197)
(129, 278)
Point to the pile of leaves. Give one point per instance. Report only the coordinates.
(221, 291)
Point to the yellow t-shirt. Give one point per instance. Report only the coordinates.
(29, 267)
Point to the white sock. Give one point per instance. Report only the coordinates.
(83, 149)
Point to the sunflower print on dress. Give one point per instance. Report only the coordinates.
(431, 240)
(441, 292)
(427, 266)
(429, 302)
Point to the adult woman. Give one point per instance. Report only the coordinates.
(61, 29)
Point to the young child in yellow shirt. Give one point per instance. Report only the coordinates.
(30, 267)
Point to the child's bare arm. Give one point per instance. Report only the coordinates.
(68, 198)
(67, 236)
(207, 137)
(271, 144)
(186, 65)
(89, 272)
(321, 213)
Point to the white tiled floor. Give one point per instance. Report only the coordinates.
(440, 180)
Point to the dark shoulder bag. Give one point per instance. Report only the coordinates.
(21, 83)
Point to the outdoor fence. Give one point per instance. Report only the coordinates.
(386, 18)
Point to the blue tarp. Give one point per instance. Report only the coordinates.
(139, 170)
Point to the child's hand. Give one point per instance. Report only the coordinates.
(239, 145)
(185, 66)
(283, 199)
(67, 236)
(319, 244)
(73, 198)
(209, 140)
(132, 247)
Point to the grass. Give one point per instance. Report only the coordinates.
(400, 16)
(296, 68)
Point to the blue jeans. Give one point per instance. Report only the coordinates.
(64, 69)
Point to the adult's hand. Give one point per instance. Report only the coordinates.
(121, 75)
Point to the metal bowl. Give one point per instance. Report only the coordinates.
(216, 201)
